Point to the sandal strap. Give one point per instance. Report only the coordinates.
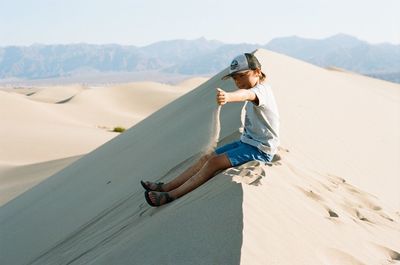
(147, 187)
(158, 200)
(159, 186)
(167, 197)
(159, 196)
(163, 195)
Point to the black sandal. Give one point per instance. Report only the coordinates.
(159, 186)
(158, 198)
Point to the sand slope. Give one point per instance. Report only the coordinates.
(319, 205)
(18, 179)
(36, 130)
(43, 124)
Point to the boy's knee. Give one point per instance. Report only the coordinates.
(218, 162)
(208, 156)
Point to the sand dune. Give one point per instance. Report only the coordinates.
(332, 199)
(76, 126)
(15, 180)
(56, 94)
(36, 130)
(140, 98)
(192, 82)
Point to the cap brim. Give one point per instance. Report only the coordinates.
(226, 77)
(232, 74)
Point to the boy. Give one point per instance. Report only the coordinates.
(259, 140)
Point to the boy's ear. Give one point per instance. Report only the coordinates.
(258, 72)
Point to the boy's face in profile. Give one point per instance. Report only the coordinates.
(248, 79)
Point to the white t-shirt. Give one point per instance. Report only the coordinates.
(261, 123)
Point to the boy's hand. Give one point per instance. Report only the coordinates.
(222, 97)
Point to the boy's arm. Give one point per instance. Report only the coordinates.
(236, 96)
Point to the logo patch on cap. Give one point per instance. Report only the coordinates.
(234, 65)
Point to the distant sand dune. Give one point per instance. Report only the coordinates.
(192, 82)
(56, 94)
(73, 127)
(64, 121)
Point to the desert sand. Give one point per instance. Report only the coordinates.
(332, 199)
(47, 128)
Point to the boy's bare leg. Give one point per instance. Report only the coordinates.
(187, 174)
(214, 164)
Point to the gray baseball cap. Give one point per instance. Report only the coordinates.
(242, 63)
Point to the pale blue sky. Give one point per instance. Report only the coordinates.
(134, 22)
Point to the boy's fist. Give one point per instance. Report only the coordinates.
(222, 97)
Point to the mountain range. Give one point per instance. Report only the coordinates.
(193, 57)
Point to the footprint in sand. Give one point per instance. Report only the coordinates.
(367, 212)
(249, 173)
(391, 254)
(332, 213)
(314, 195)
(372, 206)
(335, 181)
(359, 204)
(364, 202)
(361, 216)
(349, 201)
(335, 256)
(311, 194)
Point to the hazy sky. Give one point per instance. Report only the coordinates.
(134, 22)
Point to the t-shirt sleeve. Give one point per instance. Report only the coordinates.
(261, 93)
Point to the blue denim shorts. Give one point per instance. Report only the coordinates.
(239, 153)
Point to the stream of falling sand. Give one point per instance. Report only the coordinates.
(215, 131)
